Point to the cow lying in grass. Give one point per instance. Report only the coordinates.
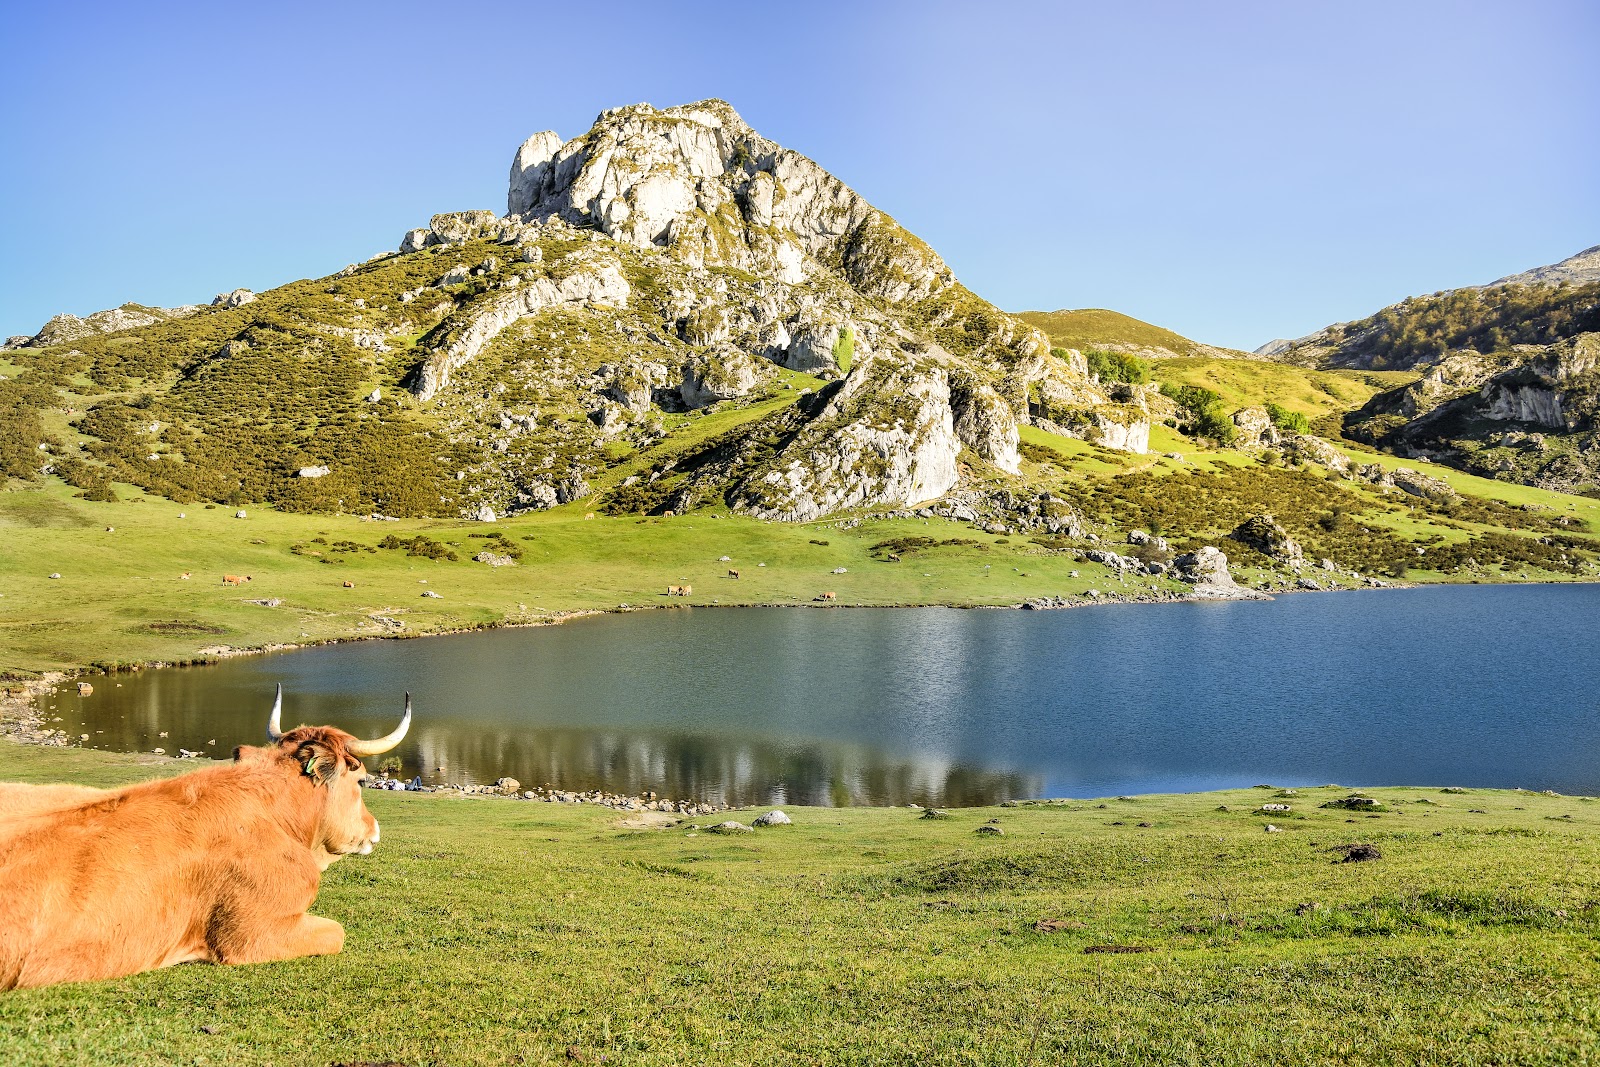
(219, 865)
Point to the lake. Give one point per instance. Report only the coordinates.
(1463, 685)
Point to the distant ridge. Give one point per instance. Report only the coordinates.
(1580, 269)
(1577, 270)
(1086, 328)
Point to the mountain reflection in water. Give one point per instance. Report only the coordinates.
(940, 706)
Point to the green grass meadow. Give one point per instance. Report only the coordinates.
(489, 932)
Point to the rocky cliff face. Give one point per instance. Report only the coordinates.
(1530, 414)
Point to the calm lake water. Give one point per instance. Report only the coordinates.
(1468, 685)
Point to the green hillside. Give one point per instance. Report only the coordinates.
(1088, 328)
(1255, 383)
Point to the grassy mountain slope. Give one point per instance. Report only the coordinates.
(482, 932)
(1255, 383)
(1097, 328)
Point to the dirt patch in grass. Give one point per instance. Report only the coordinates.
(1357, 853)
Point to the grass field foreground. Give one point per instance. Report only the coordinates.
(1156, 929)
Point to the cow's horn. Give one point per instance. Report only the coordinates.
(274, 726)
(385, 743)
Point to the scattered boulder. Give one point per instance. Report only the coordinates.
(1253, 428)
(1422, 485)
(1140, 537)
(934, 813)
(774, 818)
(1318, 451)
(1264, 534)
(312, 472)
(417, 240)
(729, 827)
(993, 831)
(1206, 569)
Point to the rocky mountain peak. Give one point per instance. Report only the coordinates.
(698, 181)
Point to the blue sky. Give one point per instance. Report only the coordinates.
(1234, 171)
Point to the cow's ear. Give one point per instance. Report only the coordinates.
(321, 765)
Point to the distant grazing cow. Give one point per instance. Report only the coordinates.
(184, 575)
(590, 515)
(235, 579)
(733, 574)
(349, 585)
(828, 596)
(668, 513)
(219, 865)
(680, 590)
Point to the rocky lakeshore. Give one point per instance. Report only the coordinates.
(511, 789)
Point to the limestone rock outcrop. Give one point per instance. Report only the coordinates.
(599, 282)
(233, 299)
(696, 179)
(985, 423)
(887, 437)
(721, 374)
(66, 328)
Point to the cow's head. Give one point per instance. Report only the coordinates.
(331, 760)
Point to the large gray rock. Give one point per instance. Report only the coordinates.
(1253, 428)
(235, 298)
(1207, 570)
(1318, 451)
(1424, 485)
